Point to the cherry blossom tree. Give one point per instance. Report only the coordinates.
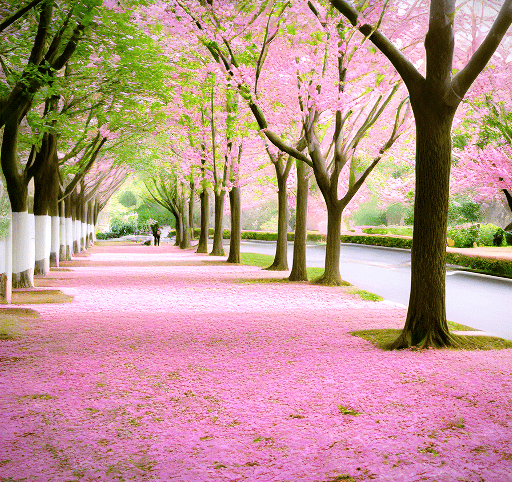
(312, 63)
(434, 97)
(484, 154)
(52, 46)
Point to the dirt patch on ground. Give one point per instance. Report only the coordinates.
(35, 296)
(13, 311)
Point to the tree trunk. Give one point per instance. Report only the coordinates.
(83, 221)
(22, 268)
(179, 230)
(218, 248)
(426, 317)
(185, 234)
(62, 229)
(89, 240)
(235, 236)
(332, 274)
(70, 226)
(508, 227)
(46, 212)
(281, 258)
(43, 237)
(191, 211)
(75, 210)
(95, 214)
(202, 247)
(299, 270)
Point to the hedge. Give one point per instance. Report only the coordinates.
(388, 241)
(256, 235)
(400, 231)
(493, 266)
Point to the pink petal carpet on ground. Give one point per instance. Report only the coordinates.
(167, 367)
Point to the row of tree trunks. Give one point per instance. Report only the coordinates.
(40, 241)
(299, 272)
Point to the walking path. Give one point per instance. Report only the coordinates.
(172, 366)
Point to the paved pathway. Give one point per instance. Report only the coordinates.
(170, 366)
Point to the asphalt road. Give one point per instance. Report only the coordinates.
(482, 302)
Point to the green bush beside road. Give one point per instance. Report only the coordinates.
(481, 264)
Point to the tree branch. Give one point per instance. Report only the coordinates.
(42, 31)
(18, 14)
(410, 75)
(463, 80)
(283, 146)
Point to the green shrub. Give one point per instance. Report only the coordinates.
(127, 199)
(123, 227)
(464, 236)
(481, 234)
(368, 214)
(399, 231)
(497, 239)
(315, 237)
(496, 267)
(508, 237)
(259, 235)
(106, 235)
(197, 232)
(486, 234)
(462, 209)
(388, 241)
(375, 231)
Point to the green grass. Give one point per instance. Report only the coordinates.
(382, 337)
(255, 259)
(365, 295)
(458, 327)
(12, 322)
(314, 273)
(348, 411)
(265, 260)
(10, 327)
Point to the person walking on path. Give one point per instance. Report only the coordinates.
(156, 233)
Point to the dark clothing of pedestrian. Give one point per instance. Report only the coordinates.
(156, 234)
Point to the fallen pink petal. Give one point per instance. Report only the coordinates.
(168, 366)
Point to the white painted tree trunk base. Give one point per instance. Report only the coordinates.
(6, 266)
(69, 238)
(23, 250)
(55, 241)
(43, 239)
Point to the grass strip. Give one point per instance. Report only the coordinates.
(382, 337)
(13, 322)
(34, 296)
(264, 260)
